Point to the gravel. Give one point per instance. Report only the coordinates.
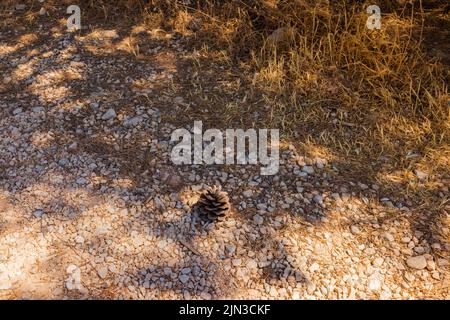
(91, 207)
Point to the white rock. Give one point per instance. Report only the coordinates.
(42, 11)
(418, 262)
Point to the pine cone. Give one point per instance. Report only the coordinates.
(214, 204)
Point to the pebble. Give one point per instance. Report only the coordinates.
(236, 262)
(252, 264)
(258, 219)
(108, 115)
(186, 270)
(247, 193)
(38, 213)
(378, 262)
(314, 267)
(183, 278)
(374, 283)
(417, 262)
(355, 230)
(231, 248)
(79, 239)
(102, 272)
(318, 199)
(308, 169)
(389, 237)
(131, 122)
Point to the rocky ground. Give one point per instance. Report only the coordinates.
(91, 206)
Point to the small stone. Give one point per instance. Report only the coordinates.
(389, 237)
(314, 267)
(183, 278)
(435, 275)
(5, 285)
(186, 270)
(94, 105)
(442, 262)
(374, 283)
(131, 122)
(71, 268)
(205, 295)
(308, 169)
(355, 230)
(318, 199)
(310, 288)
(79, 239)
(231, 248)
(81, 181)
(37, 109)
(17, 111)
(38, 213)
(417, 262)
(378, 262)
(102, 272)
(42, 11)
(247, 193)
(236, 262)
(252, 264)
(110, 114)
(421, 174)
(258, 219)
